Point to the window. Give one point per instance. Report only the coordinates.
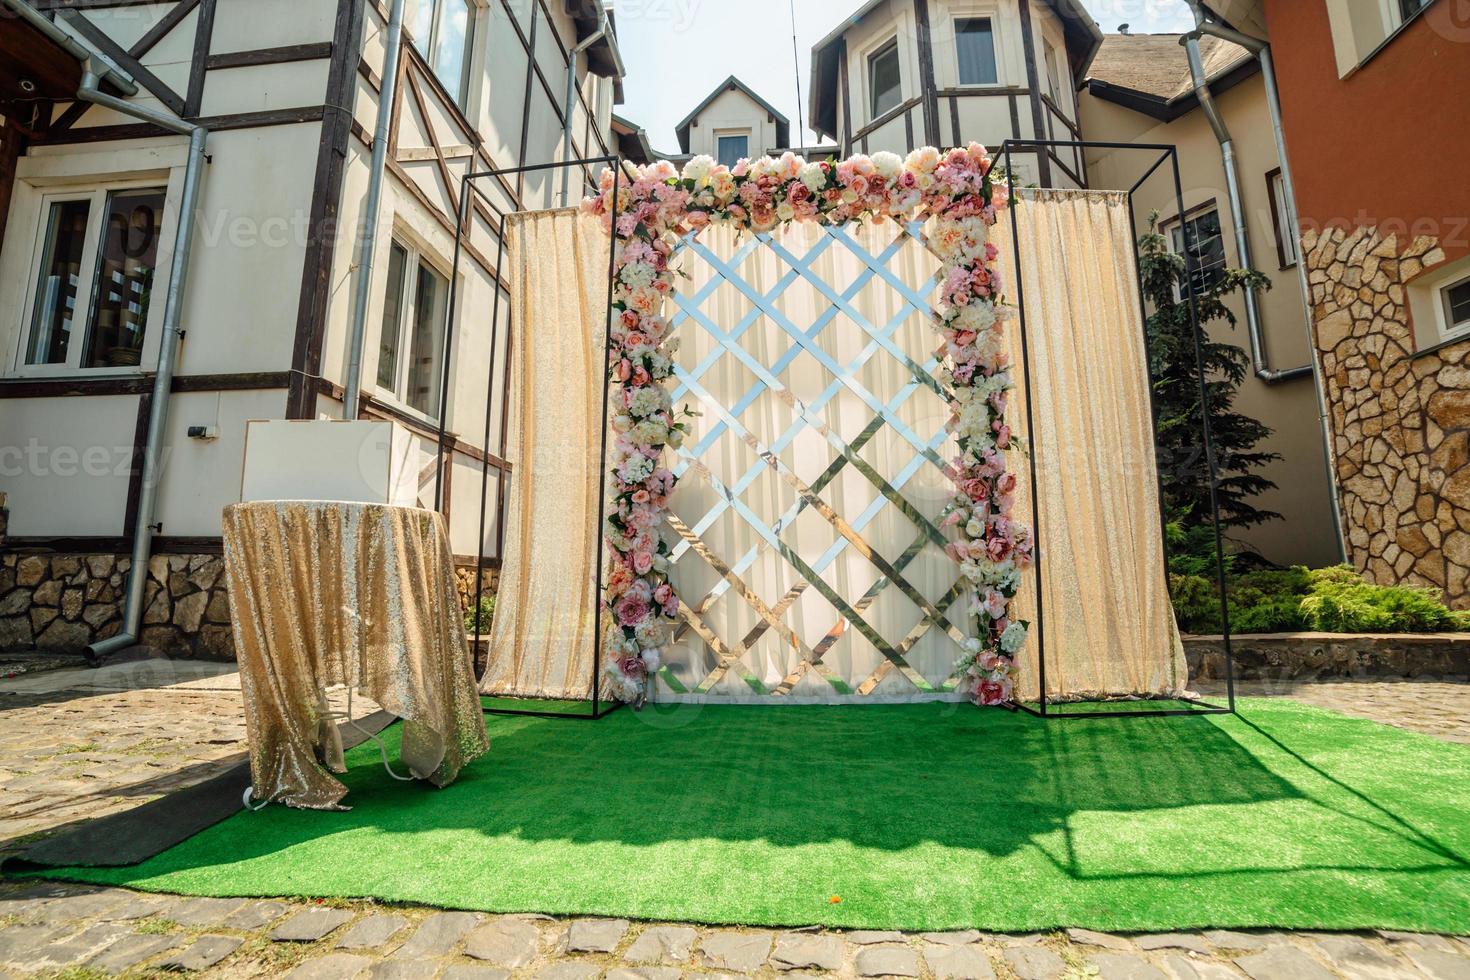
(443, 31)
(411, 345)
(1054, 76)
(1408, 8)
(1283, 221)
(975, 43)
(883, 80)
(1206, 245)
(1456, 300)
(732, 149)
(93, 291)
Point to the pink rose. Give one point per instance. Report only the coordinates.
(632, 610)
(642, 562)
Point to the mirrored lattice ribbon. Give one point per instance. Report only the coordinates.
(844, 377)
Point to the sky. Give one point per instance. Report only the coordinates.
(677, 51)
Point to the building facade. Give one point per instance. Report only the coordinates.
(904, 73)
(290, 91)
(1386, 242)
(1139, 91)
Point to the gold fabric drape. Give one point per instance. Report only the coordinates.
(544, 636)
(1109, 627)
(325, 593)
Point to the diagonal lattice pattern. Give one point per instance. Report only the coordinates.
(876, 374)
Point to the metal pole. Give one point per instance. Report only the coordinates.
(485, 442)
(1030, 432)
(368, 243)
(1204, 411)
(447, 349)
(612, 258)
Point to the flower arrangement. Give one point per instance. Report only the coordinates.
(650, 208)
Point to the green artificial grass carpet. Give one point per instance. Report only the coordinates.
(923, 817)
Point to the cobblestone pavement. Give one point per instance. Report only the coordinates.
(74, 745)
(74, 933)
(1438, 708)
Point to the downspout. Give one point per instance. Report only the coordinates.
(1262, 51)
(93, 75)
(368, 245)
(1260, 359)
(571, 101)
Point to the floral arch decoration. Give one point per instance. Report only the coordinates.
(652, 207)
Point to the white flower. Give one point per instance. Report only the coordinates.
(1013, 638)
(785, 212)
(975, 528)
(812, 176)
(923, 160)
(637, 274)
(699, 169)
(653, 657)
(888, 165)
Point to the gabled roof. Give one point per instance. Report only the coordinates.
(632, 140)
(1149, 73)
(1083, 38)
(733, 84)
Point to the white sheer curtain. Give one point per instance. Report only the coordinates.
(730, 391)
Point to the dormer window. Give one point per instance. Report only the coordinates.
(975, 42)
(883, 79)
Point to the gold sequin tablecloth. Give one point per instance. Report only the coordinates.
(326, 593)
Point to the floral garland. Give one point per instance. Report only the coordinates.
(655, 206)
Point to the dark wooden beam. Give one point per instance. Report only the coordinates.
(270, 56)
(126, 61)
(926, 75)
(203, 38)
(1033, 83)
(80, 386)
(238, 120)
(326, 203)
(163, 28)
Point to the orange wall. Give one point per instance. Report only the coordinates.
(1390, 144)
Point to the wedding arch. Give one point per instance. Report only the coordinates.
(661, 204)
(651, 217)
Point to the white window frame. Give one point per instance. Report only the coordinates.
(472, 63)
(995, 45)
(38, 216)
(872, 51)
(732, 133)
(1180, 222)
(1284, 224)
(417, 253)
(1447, 330)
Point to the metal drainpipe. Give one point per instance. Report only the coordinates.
(566, 128)
(1262, 51)
(167, 351)
(1260, 359)
(369, 243)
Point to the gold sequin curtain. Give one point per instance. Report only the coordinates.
(542, 642)
(1109, 627)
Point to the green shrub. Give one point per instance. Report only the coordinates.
(478, 621)
(1332, 600)
(1341, 602)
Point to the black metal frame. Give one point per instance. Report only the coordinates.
(1167, 153)
(466, 188)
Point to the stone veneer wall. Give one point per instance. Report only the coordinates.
(1331, 656)
(1400, 421)
(64, 602)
